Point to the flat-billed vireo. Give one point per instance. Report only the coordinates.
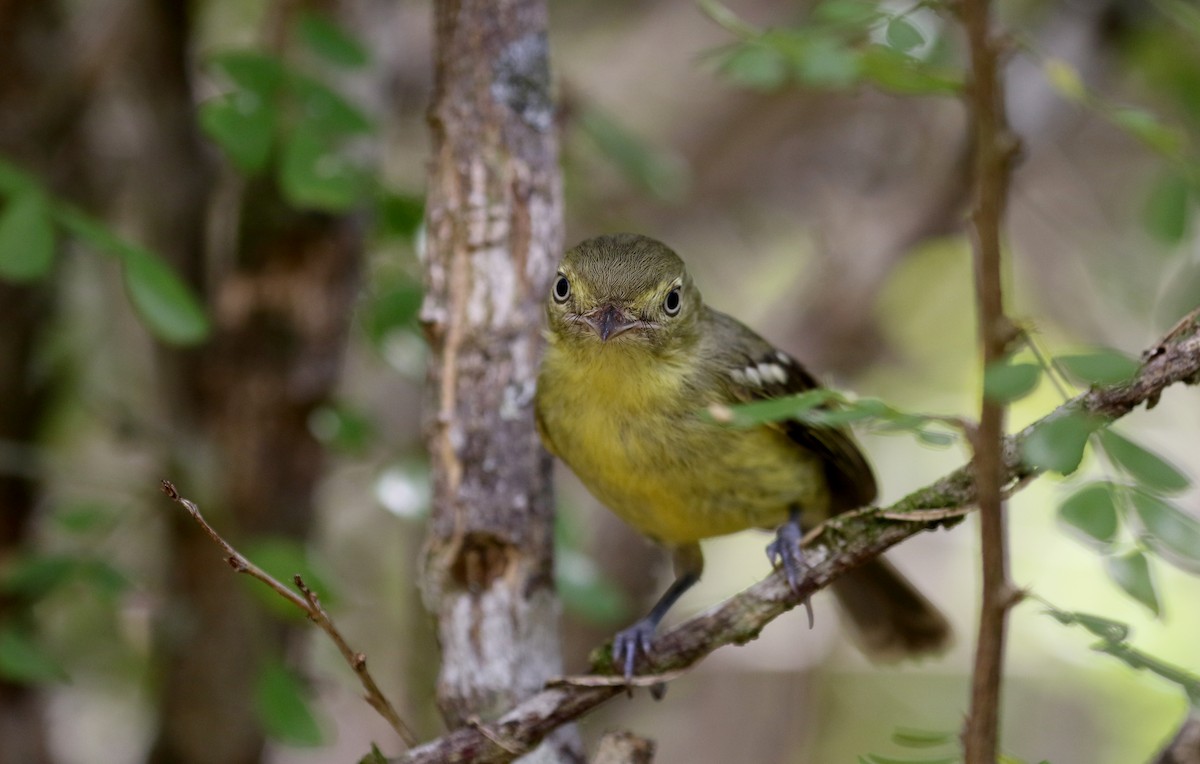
(634, 359)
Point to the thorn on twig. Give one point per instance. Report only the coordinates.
(360, 661)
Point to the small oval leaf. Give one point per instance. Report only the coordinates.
(281, 702)
(330, 41)
(1099, 367)
(1170, 531)
(1092, 511)
(903, 36)
(1131, 572)
(1058, 444)
(1006, 382)
(165, 304)
(24, 660)
(1148, 468)
(1168, 210)
(26, 238)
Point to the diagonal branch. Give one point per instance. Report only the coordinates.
(843, 543)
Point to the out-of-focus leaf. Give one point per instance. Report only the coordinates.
(313, 175)
(1058, 444)
(399, 215)
(1149, 469)
(915, 738)
(251, 70)
(1148, 129)
(779, 409)
(849, 13)
(283, 558)
(83, 517)
(654, 170)
(330, 41)
(1105, 628)
(165, 304)
(1092, 511)
(281, 702)
(26, 238)
(341, 428)
(34, 576)
(896, 72)
(1064, 78)
(394, 306)
(243, 125)
(324, 110)
(585, 591)
(1168, 211)
(755, 66)
(1099, 367)
(827, 62)
(902, 35)
(24, 660)
(1131, 572)
(874, 758)
(1169, 531)
(1004, 382)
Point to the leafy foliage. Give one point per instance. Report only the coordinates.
(281, 703)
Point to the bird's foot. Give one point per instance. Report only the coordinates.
(632, 642)
(785, 552)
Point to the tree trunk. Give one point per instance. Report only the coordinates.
(494, 235)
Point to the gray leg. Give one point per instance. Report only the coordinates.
(634, 641)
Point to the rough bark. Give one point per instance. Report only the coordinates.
(494, 234)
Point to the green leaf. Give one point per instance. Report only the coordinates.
(1058, 444)
(1004, 382)
(243, 125)
(827, 62)
(1148, 129)
(1104, 628)
(654, 170)
(330, 41)
(281, 702)
(1149, 469)
(1131, 572)
(1168, 210)
(849, 13)
(915, 738)
(780, 409)
(313, 175)
(1099, 367)
(399, 215)
(902, 35)
(395, 307)
(325, 112)
(25, 661)
(341, 428)
(755, 66)
(1092, 511)
(875, 758)
(26, 238)
(1169, 531)
(1065, 79)
(254, 71)
(285, 558)
(83, 517)
(896, 72)
(165, 304)
(35, 576)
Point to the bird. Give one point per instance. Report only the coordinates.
(633, 360)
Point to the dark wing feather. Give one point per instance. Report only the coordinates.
(851, 481)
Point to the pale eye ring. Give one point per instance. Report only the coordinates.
(673, 302)
(562, 289)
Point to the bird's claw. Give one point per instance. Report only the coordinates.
(632, 642)
(785, 552)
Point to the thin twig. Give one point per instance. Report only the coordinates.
(308, 602)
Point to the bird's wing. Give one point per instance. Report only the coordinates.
(759, 371)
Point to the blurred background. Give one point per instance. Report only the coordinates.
(818, 196)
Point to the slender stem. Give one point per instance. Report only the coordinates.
(307, 601)
(994, 147)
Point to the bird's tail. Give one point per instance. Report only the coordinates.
(891, 619)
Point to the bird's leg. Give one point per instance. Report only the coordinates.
(634, 641)
(785, 552)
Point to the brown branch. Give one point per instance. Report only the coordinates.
(842, 543)
(994, 148)
(307, 601)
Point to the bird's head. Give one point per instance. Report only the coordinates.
(623, 290)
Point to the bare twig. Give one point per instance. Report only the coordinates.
(845, 542)
(308, 602)
(994, 148)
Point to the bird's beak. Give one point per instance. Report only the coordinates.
(609, 321)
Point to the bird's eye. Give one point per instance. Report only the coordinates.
(673, 302)
(562, 289)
